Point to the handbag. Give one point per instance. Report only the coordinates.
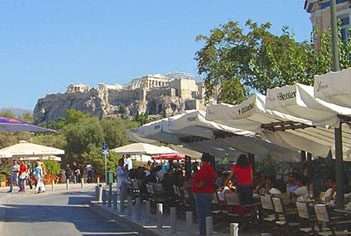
(23, 175)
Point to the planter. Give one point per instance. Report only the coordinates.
(2, 183)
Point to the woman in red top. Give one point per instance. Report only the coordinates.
(203, 191)
(22, 175)
(244, 175)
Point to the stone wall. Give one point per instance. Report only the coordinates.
(125, 97)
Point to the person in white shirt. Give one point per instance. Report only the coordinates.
(122, 180)
(128, 162)
(301, 192)
(14, 175)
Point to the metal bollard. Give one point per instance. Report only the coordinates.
(189, 222)
(53, 185)
(99, 195)
(173, 223)
(109, 199)
(209, 226)
(137, 209)
(159, 212)
(67, 184)
(98, 181)
(114, 201)
(234, 229)
(82, 182)
(129, 206)
(104, 196)
(147, 211)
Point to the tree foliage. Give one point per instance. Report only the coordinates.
(254, 59)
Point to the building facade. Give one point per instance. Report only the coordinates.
(320, 15)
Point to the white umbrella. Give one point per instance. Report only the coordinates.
(143, 148)
(25, 149)
(45, 158)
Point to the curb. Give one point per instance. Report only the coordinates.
(95, 207)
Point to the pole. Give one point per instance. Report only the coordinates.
(337, 131)
(105, 170)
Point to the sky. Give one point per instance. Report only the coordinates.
(47, 45)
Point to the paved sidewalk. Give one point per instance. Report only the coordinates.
(151, 228)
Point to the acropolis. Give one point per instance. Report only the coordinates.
(156, 94)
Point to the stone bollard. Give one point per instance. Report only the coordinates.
(137, 209)
(173, 222)
(104, 196)
(99, 195)
(129, 206)
(82, 182)
(234, 229)
(96, 192)
(52, 185)
(114, 196)
(67, 184)
(209, 226)
(98, 181)
(159, 212)
(147, 211)
(189, 222)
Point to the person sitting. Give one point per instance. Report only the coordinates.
(301, 192)
(330, 193)
(292, 185)
(225, 189)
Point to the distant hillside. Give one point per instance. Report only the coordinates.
(17, 111)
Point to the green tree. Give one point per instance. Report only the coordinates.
(72, 117)
(8, 114)
(254, 59)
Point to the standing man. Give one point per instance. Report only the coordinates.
(128, 162)
(122, 180)
(89, 169)
(68, 173)
(75, 171)
(14, 175)
(203, 191)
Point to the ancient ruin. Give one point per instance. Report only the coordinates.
(157, 94)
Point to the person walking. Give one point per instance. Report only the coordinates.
(122, 180)
(244, 175)
(75, 172)
(22, 175)
(38, 173)
(89, 169)
(14, 175)
(203, 191)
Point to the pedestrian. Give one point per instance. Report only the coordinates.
(68, 173)
(89, 168)
(122, 180)
(22, 175)
(38, 173)
(14, 175)
(203, 191)
(75, 172)
(29, 173)
(244, 176)
(128, 162)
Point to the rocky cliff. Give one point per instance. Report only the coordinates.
(105, 103)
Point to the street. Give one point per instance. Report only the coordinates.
(54, 213)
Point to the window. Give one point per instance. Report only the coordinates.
(345, 24)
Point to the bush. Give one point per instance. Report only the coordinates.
(52, 167)
(2, 177)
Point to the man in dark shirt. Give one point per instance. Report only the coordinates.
(68, 172)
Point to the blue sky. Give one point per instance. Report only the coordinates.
(46, 45)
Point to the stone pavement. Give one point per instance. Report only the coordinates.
(59, 212)
(151, 228)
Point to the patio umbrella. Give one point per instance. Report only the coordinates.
(13, 125)
(143, 148)
(45, 158)
(169, 157)
(25, 149)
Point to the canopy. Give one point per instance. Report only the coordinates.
(143, 148)
(45, 158)
(13, 125)
(25, 149)
(298, 100)
(253, 115)
(169, 157)
(334, 87)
